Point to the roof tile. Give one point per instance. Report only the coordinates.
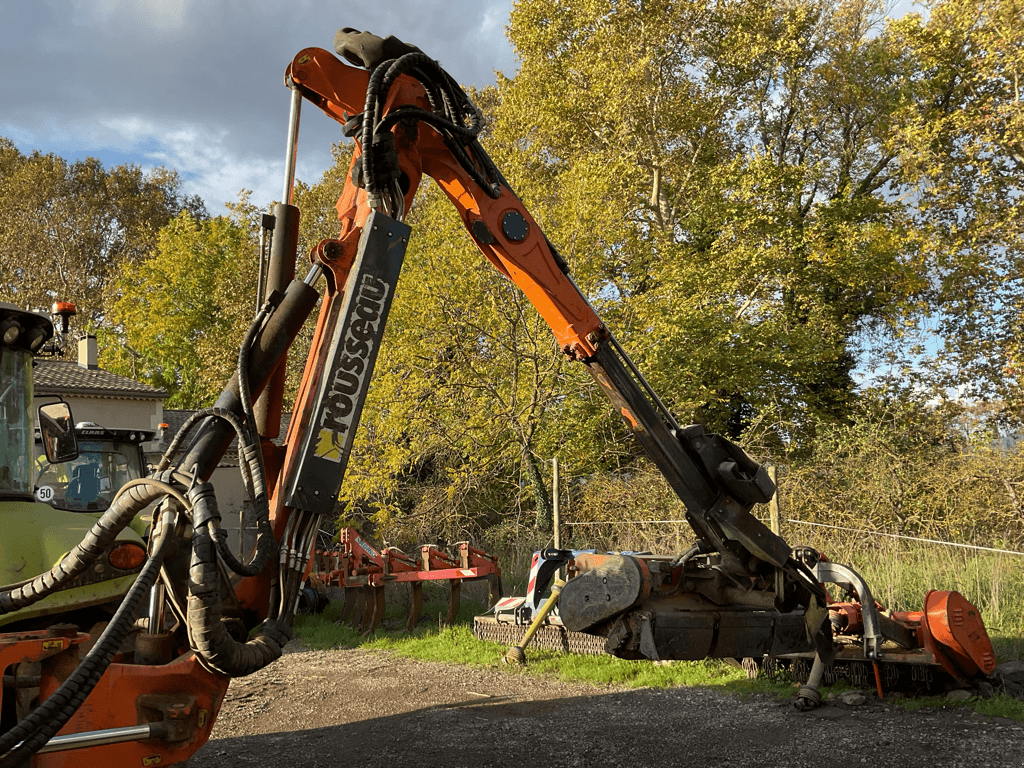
(65, 377)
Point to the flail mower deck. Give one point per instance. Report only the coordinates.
(671, 617)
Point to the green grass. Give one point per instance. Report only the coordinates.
(996, 706)
(457, 645)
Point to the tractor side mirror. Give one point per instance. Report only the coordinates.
(57, 429)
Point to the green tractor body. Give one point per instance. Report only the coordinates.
(35, 536)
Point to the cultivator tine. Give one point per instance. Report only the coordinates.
(369, 607)
(358, 606)
(349, 602)
(415, 604)
(375, 605)
(454, 598)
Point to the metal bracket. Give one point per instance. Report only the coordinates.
(834, 573)
(356, 325)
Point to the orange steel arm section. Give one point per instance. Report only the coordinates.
(502, 228)
(716, 480)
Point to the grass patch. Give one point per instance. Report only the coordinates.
(999, 706)
(457, 645)
(996, 706)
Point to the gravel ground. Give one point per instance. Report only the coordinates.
(368, 708)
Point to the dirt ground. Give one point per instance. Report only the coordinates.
(315, 709)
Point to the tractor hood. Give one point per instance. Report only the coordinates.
(36, 537)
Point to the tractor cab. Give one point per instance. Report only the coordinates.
(22, 334)
(106, 460)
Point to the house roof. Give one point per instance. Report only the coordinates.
(66, 377)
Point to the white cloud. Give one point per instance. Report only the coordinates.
(210, 160)
(196, 85)
(160, 15)
(206, 159)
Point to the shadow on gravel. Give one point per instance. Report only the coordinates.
(652, 728)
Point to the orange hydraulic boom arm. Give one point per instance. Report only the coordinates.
(502, 228)
(715, 479)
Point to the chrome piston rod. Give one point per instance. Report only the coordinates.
(106, 736)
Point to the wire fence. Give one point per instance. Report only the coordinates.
(626, 522)
(908, 538)
(817, 525)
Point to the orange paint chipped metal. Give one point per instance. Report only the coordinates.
(628, 416)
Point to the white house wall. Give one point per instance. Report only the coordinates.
(117, 414)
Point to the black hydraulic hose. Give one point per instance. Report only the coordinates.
(134, 497)
(447, 118)
(366, 137)
(189, 425)
(456, 147)
(251, 461)
(39, 726)
(210, 639)
(448, 122)
(260, 559)
(244, 393)
(214, 437)
(265, 543)
(687, 556)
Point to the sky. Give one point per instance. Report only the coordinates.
(197, 85)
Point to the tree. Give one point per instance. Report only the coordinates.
(728, 167)
(459, 403)
(68, 227)
(964, 141)
(180, 315)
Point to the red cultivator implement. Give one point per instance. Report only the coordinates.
(364, 572)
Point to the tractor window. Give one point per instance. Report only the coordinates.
(16, 423)
(90, 482)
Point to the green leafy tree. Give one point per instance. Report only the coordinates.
(964, 143)
(455, 421)
(729, 169)
(180, 315)
(69, 226)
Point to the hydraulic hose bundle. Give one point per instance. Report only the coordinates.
(254, 480)
(209, 636)
(451, 114)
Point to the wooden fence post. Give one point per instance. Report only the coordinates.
(773, 505)
(556, 519)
